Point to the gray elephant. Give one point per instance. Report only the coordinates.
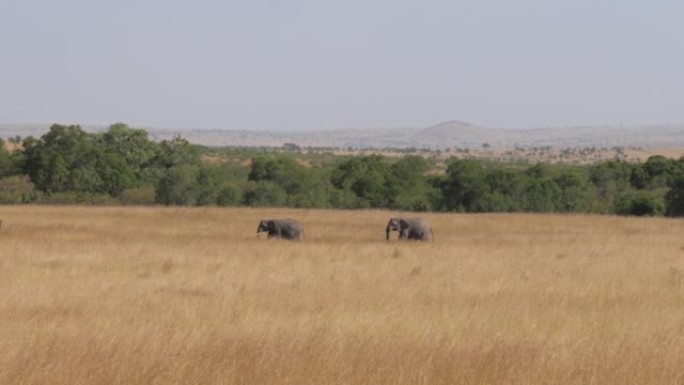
(410, 228)
(281, 228)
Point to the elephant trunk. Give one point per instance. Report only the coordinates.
(387, 232)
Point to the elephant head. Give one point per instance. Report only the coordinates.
(394, 224)
(266, 225)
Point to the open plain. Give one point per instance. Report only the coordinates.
(155, 295)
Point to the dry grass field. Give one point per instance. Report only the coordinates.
(191, 296)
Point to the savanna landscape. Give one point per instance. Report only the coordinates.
(190, 295)
(528, 155)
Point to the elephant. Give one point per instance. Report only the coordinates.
(410, 228)
(281, 228)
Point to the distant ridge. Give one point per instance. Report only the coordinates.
(457, 128)
(448, 134)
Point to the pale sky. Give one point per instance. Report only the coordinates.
(307, 64)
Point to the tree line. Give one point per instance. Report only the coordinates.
(123, 166)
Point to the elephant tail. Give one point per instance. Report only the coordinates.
(433, 234)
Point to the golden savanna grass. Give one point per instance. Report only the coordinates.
(191, 296)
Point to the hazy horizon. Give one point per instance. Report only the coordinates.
(301, 66)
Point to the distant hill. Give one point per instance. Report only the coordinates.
(443, 135)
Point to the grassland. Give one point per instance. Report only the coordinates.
(191, 296)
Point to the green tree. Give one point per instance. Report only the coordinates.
(540, 195)
(539, 171)
(174, 171)
(114, 172)
(674, 198)
(657, 165)
(655, 173)
(284, 171)
(175, 152)
(209, 181)
(408, 187)
(610, 179)
(639, 203)
(465, 186)
(304, 187)
(639, 178)
(178, 186)
(506, 190)
(64, 159)
(133, 145)
(265, 194)
(7, 163)
(229, 195)
(575, 193)
(367, 178)
(67, 159)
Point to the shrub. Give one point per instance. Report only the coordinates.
(674, 198)
(640, 203)
(229, 195)
(138, 196)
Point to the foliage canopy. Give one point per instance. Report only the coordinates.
(123, 165)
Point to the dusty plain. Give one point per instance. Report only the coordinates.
(152, 295)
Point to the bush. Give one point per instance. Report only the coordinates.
(138, 196)
(674, 198)
(17, 189)
(229, 195)
(80, 198)
(639, 203)
(178, 186)
(265, 194)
